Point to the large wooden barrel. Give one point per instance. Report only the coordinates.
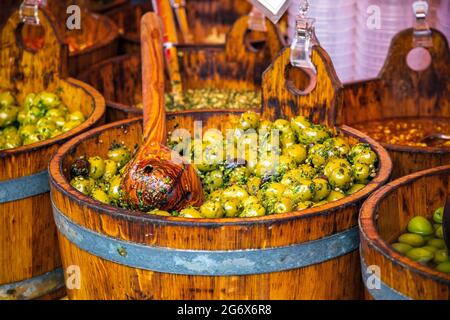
(30, 265)
(231, 66)
(400, 93)
(310, 254)
(384, 216)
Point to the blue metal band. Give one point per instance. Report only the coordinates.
(24, 187)
(207, 263)
(383, 291)
(33, 288)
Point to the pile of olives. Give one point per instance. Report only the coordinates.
(313, 168)
(424, 242)
(42, 116)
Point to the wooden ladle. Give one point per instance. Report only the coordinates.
(157, 178)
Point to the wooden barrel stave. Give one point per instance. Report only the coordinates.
(229, 234)
(394, 205)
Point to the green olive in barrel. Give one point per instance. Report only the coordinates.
(444, 267)
(420, 225)
(340, 178)
(438, 215)
(212, 209)
(82, 184)
(335, 196)
(252, 211)
(420, 255)
(7, 99)
(299, 123)
(8, 115)
(313, 134)
(114, 190)
(100, 195)
(402, 248)
(191, 213)
(297, 152)
(412, 239)
(322, 189)
(249, 120)
(213, 180)
(231, 208)
(97, 167)
(120, 154)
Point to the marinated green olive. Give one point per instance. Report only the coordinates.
(444, 267)
(82, 184)
(253, 211)
(361, 172)
(337, 147)
(299, 123)
(304, 205)
(231, 208)
(160, 213)
(7, 99)
(110, 169)
(213, 180)
(76, 116)
(100, 195)
(212, 209)
(69, 125)
(235, 192)
(97, 167)
(249, 120)
(300, 192)
(283, 205)
(335, 163)
(355, 188)
(420, 225)
(297, 152)
(313, 134)
(335, 196)
(282, 125)
(238, 176)
(253, 185)
(322, 189)
(340, 178)
(114, 190)
(120, 154)
(191, 213)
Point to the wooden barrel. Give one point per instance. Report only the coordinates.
(384, 216)
(30, 265)
(230, 66)
(399, 93)
(310, 254)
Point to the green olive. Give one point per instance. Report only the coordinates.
(299, 123)
(288, 139)
(361, 172)
(297, 152)
(306, 171)
(317, 156)
(114, 190)
(444, 267)
(265, 168)
(47, 99)
(249, 120)
(253, 185)
(27, 130)
(55, 113)
(358, 149)
(355, 188)
(7, 99)
(322, 189)
(12, 141)
(216, 195)
(304, 205)
(9, 131)
(190, 213)
(238, 176)
(335, 196)
(369, 157)
(412, 239)
(402, 248)
(231, 208)
(430, 249)
(282, 125)
(320, 203)
(265, 127)
(437, 243)
(212, 136)
(100, 195)
(83, 185)
(45, 128)
(285, 164)
(8, 114)
(283, 205)
(160, 213)
(441, 256)
(110, 169)
(303, 190)
(235, 192)
(212, 209)
(440, 233)
(313, 134)
(274, 190)
(59, 121)
(339, 147)
(213, 180)
(340, 178)
(255, 210)
(421, 226)
(69, 125)
(438, 214)
(29, 101)
(32, 138)
(335, 163)
(420, 255)
(120, 154)
(21, 116)
(97, 168)
(76, 116)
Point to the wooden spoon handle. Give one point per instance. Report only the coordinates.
(446, 221)
(153, 78)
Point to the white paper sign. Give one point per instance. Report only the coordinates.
(272, 9)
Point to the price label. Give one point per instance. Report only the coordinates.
(272, 9)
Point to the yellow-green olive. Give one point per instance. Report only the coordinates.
(301, 191)
(368, 157)
(59, 121)
(265, 168)
(12, 141)
(110, 169)
(216, 195)
(213, 180)
(238, 176)
(412, 239)
(253, 185)
(160, 213)
(313, 134)
(190, 213)
(355, 188)
(212, 209)
(322, 189)
(297, 152)
(437, 243)
(120, 154)
(420, 255)
(285, 164)
(69, 125)
(430, 249)
(29, 101)
(235, 192)
(8, 114)
(441, 256)
(7, 99)
(282, 125)
(274, 190)
(32, 138)
(76, 116)
(338, 147)
(47, 99)
(97, 168)
(440, 233)
(252, 211)
(438, 214)
(340, 178)
(100, 195)
(421, 226)
(114, 190)
(288, 139)
(304, 205)
(317, 156)
(283, 205)
(249, 120)
(444, 267)
(335, 163)
(299, 123)
(21, 116)
(402, 248)
(45, 127)
(82, 184)
(231, 208)
(55, 113)
(361, 172)
(335, 196)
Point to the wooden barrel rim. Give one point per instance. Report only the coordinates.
(369, 229)
(411, 149)
(112, 34)
(60, 182)
(93, 119)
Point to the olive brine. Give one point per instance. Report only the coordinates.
(314, 167)
(41, 117)
(424, 242)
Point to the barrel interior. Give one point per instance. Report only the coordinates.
(418, 197)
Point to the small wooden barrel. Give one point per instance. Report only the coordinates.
(310, 254)
(234, 65)
(30, 263)
(128, 20)
(384, 216)
(399, 93)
